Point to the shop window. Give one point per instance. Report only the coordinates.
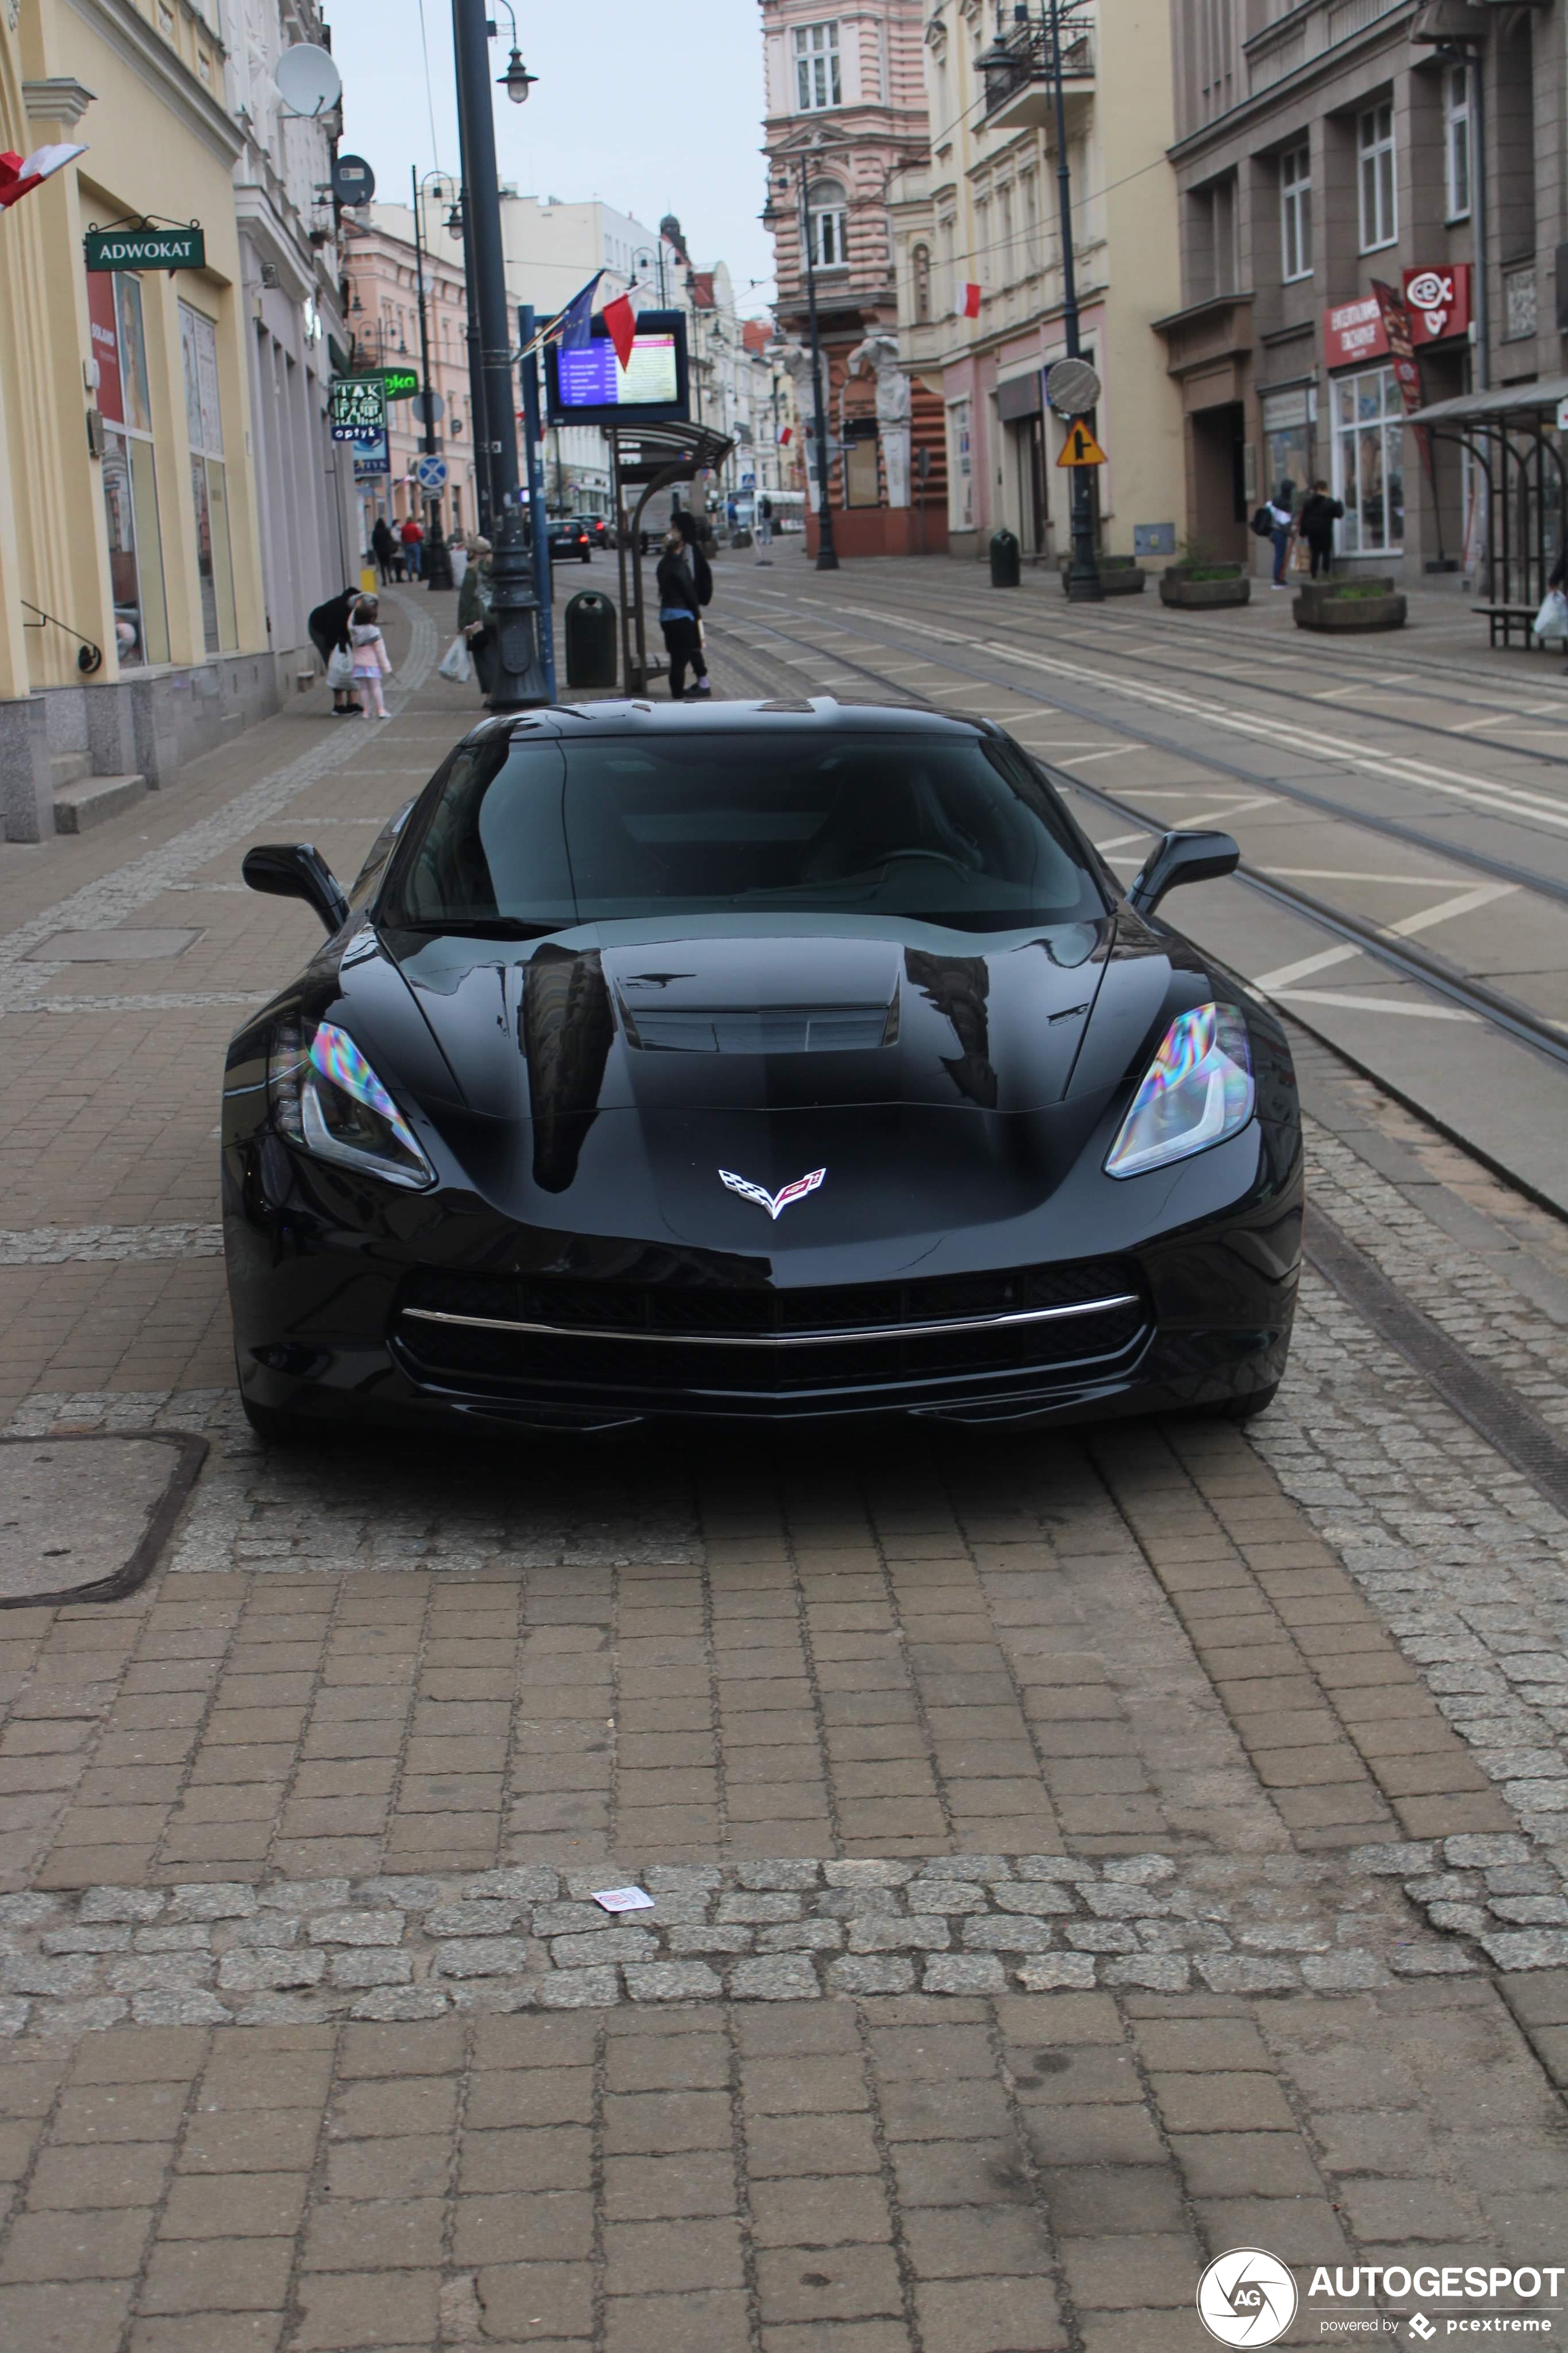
(1295, 212)
(1287, 442)
(1379, 202)
(129, 469)
(209, 480)
(1369, 462)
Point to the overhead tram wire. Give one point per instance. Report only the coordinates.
(1501, 1012)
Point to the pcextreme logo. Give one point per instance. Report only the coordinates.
(1247, 2297)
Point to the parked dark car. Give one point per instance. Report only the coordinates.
(750, 1062)
(568, 538)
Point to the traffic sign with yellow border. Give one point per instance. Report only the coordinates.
(1081, 448)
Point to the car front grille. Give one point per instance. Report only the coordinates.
(566, 1334)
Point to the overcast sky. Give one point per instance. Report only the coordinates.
(653, 108)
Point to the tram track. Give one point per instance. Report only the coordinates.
(1420, 967)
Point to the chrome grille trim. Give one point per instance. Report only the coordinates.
(775, 1339)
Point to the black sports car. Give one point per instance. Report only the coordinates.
(758, 1060)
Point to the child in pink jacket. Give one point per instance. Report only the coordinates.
(371, 658)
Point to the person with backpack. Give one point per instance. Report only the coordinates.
(685, 586)
(1318, 515)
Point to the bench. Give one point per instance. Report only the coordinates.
(1509, 617)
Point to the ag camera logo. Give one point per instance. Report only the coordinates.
(1247, 2297)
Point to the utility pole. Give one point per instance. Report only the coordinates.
(534, 468)
(437, 561)
(826, 553)
(520, 681)
(1083, 579)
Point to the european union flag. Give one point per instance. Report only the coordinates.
(577, 317)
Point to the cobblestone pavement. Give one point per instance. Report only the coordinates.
(1071, 1858)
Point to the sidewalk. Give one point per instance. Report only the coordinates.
(1069, 1863)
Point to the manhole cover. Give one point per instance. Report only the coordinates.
(111, 948)
(84, 1519)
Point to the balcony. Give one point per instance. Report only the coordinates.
(1020, 90)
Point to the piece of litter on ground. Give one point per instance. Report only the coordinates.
(624, 1899)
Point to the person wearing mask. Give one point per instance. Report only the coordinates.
(413, 539)
(683, 576)
(474, 612)
(1319, 514)
(329, 628)
(383, 547)
(1281, 529)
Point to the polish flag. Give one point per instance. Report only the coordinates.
(19, 176)
(970, 306)
(620, 325)
(784, 433)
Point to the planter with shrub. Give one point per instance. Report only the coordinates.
(1120, 576)
(1336, 606)
(1197, 583)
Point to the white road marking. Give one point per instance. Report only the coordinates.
(1303, 970)
(1118, 752)
(1333, 875)
(1412, 1009)
(1445, 911)
(1121, 841)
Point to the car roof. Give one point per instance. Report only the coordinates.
(817, 714)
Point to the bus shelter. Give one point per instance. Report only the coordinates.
(644, 458)
(1516, 506)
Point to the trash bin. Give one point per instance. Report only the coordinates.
(590, 626)
(1003, 560)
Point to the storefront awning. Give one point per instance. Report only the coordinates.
(1510, 401)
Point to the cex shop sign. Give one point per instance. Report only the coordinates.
(1354, 330)
(1438, 303)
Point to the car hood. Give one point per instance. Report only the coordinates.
(939, 1078)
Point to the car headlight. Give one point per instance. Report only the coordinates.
(327, 1099)
(1197, 1091)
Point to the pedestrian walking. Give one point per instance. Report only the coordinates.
(413, 538)
(1281, 529)
(764, 522)
(371, 658)
(329, 628)
(383, 547)
(474, 612)
(685, 586)
(1319, 512)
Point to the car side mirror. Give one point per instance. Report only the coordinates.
(1180, 857)
(296, 870)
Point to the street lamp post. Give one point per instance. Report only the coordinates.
(1083, 579)
(520, 681)
(438, 560)
(648, 253)
(826, 553)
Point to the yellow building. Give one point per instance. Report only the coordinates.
(979, 257)
(132, 627)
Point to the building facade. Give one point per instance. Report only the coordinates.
(978, 246)
(846, 120)
(131, 534)
(1323, 154)
(382, 267)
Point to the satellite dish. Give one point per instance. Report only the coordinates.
(1072, 387)
(308, 80)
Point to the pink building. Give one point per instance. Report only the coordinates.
(380, 269)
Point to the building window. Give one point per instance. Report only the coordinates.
(920, 268)
(1296, 212)
(827, 225)
(129, 473)
(960, 477)
(1379, 208)
(1369, 462)
(815, 67)
(1456, 140)
(209, 480)
(1028, 188)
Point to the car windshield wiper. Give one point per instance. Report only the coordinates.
(479, 927)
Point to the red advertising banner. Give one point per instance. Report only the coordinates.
(1354, 330)
(1402, 358)
(105, 330)
(1438, 303)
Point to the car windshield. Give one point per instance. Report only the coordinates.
(942, 827)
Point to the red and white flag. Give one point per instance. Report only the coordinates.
(784, 433)
(20, 175)
(968, 306)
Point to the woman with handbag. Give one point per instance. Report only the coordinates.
(329, 628)
(474, 612)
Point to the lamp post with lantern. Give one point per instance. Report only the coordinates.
(438, 557)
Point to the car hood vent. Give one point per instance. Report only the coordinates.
(770, 1030)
